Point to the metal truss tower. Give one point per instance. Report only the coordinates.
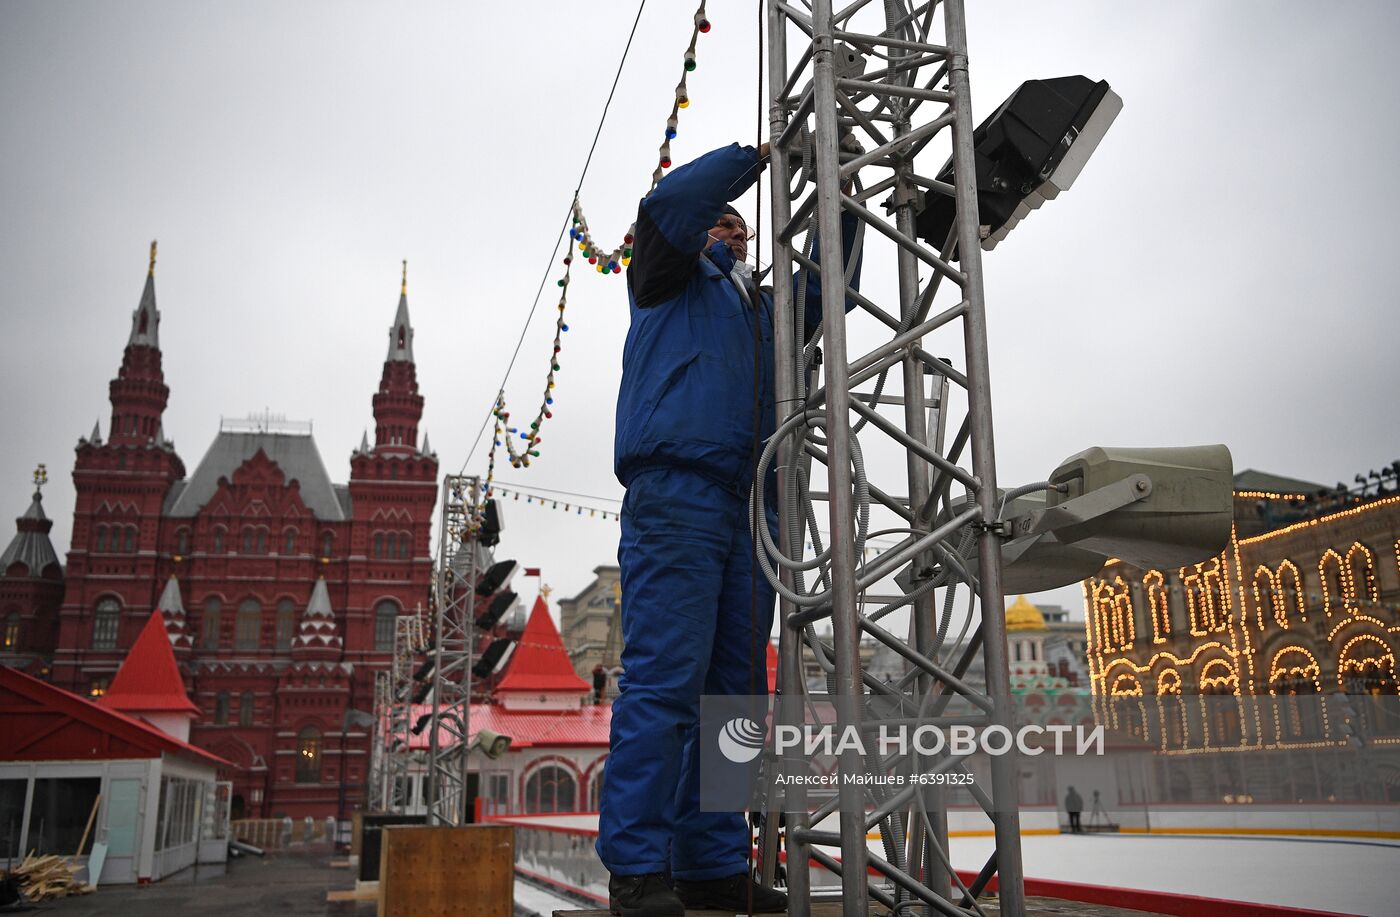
(454, 613)
(378, 746)
(409, 641)
(894, 77)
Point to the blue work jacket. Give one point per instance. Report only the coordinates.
(688, 390)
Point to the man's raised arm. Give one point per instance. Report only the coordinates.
(673, 219)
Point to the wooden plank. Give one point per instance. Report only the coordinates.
(447, 872)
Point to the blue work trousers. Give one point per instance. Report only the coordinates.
(695, 620)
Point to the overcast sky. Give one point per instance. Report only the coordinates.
(1223, 271)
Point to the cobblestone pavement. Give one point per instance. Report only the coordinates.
(294, 882)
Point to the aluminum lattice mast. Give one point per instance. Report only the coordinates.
(454, 612)
(895, 77)
(378, 746)
(409, 640)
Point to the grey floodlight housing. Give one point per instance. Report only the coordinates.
(1154, 508)
(490, 743)
(1032, 147)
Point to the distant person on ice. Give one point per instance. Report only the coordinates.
(687, 440)
(1074, 804)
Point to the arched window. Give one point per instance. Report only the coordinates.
(129, 546)
(309, 755)
(378, 544)
(245, 709)
(404, 545)
(247, 539)
(1329, 570)
(1267, 606)
(385, 614)
(182, 541)
(212, 607)
(1291, 592)
(391, 545)
(104, 625)
(1361, 568)
(551, 789)
(261, 546)
(289, 541)
(100, 546)
(221, 709)
(1157, 606)
(1220, 704)
(595, 787)
(12, 631)
(218, 540)
(248, 630)
(327, 540)
(286, 623)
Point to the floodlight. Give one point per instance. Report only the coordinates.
(491, 525)
(496, 576)
(491, 658)
(1153, 508)
(424, 671)
(1033, 147)
(490, 743)
(499, 605)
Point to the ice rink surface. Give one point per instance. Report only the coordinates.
(1336, 875)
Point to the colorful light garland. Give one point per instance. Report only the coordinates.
(611, 262)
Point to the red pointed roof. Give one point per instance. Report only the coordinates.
(149, 680)
(50, 723)
(540, 663)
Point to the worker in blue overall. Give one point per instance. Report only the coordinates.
(695, 406)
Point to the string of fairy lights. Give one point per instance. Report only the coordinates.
(605, 262)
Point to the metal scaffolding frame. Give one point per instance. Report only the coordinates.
(410, 639)
(879, 74)
(378, 744)
(454, 618)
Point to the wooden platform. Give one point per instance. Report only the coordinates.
(1035, 907)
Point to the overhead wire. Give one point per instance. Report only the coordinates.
(554, 252)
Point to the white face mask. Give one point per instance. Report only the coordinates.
(743, 269)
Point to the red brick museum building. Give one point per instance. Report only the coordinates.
(278, 587)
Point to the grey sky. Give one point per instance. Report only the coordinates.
(1220, 273)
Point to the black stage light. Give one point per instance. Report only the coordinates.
(499, 605)
(491, 525)
(491, 658)
(496, 576)
(422, 723)
(1031, 148)
(420, 696)
(424, 671)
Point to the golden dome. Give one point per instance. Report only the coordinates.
(1022, 615)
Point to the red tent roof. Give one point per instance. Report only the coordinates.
(540, 662)
(149, 680)
(51, 724)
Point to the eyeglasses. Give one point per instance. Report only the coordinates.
(729, 224)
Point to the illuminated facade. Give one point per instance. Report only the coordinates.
(1287, 640)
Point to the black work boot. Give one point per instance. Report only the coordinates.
(730, 894)
(643, 896)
